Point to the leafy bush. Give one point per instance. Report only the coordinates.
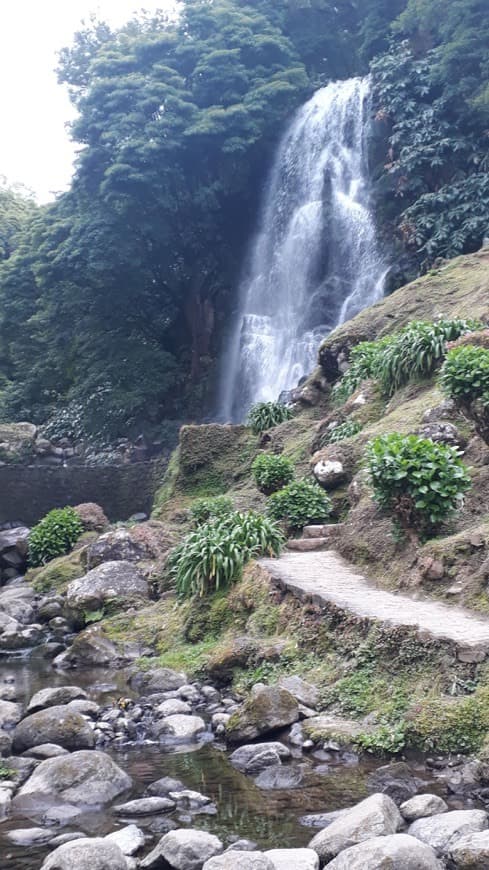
(465, 374)
(213, 555)
(417, 480)
(54, 535)
(205, 509)
(344, 430)
(266, 415)
(299, 503)
(271, 472)
(396, 359)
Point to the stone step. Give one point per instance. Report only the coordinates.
(318, 531)
(307, 545)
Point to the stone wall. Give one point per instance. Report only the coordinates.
(29, 492)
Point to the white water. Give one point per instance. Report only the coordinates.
(315, 261)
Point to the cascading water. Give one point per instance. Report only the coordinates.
(315, 261)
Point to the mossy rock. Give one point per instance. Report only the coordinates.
(58, 574)
(16, 442)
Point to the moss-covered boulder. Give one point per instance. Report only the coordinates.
(16, 441)
(267, 709)
(60, 725)
(108, 588)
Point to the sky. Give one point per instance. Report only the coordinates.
(35, 148)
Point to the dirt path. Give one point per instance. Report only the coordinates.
(326, 577)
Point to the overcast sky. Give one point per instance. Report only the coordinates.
(34, 146)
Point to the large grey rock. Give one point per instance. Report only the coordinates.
(441, 832)
(256, 756)
(397, 780)
(145, 807)
(293, 859)
(395, 852)
(86, 854)
(59, 725)
(470, 852)
(90, 648)
(330, 473)
(158, 680)
(129, 839)
(305, 693)
(180, 727)
(162, 787)
(421, 806)
(18, 602)
(54, 697)
(234, 860)
(173, 707)
(111, 586)
(119, 545)
(376, 816)
(183, 850)
(267, 709)
(84, 779)
(10, 714)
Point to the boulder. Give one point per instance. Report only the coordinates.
(149, 806)
(173, 707)
(129, 839)
(256, 756)
(16, 441)
(329, 473)
(421, 806)
(396, 852)
(19, 603)
(397, 780)
(90, 648)
(54, 697)
(234, 860)
(10, 715)
(46, 750)
(470, 852)
(280, 778)
(110, 587)
(157, 680)
(164, 786)
(441, 832)
(179, 727)
(86, 854)
(266, 710)
(183, 850)
(92, 517)
(59, 725)
(443, 433)
(293, 859)
(121, 545)
(376, 816)
(84, 779)
(305, 693)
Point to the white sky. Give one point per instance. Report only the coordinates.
(35, 148)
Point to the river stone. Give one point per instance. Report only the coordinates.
(256, 756)
(59, 725)
(164, 786)
(305, 693)
(86, 854)
(293, 859)
(10, 714)
(129, 839)
(31, 836)
(173, 707)
(376, 816)
(5, 803)
(54, 697)
(421, 806)
(470, 852)
(112, 584)
(158, 680)
(18, 602)
(397, 780)
(267, 709)
(441, 832)
(90, 648)
(280, 777)
(396, 852)
(87, 779)
(180, 727)
(237, 860)
(184, 850)
(46, 750)
(145, 807)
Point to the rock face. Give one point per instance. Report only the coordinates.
(60, 725)
(470, 852)
(183, 850)
(442, 832)
(84, 779)
(396, 852)
(234, 860)
(96, 854)
(267, 709)
(111, 586)
(376, 816)
(54, 697)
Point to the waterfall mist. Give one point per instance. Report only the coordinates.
(314, 262)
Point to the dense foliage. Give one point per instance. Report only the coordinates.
(419, 482)
(214, 555)
(204, 509)
(298, 504)
(338, 433)
(465, 374)
(54, 535)
(396, 359)
(272, 472)
(266, 415)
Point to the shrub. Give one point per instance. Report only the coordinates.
(344, 430)
(204, 509)
(396, 359)
(465, 374)
(213, 555)
(54, 535)
(272, 472)
(266, 415)
(417, 480)
(299, 503)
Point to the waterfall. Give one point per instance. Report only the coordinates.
(315, 261)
